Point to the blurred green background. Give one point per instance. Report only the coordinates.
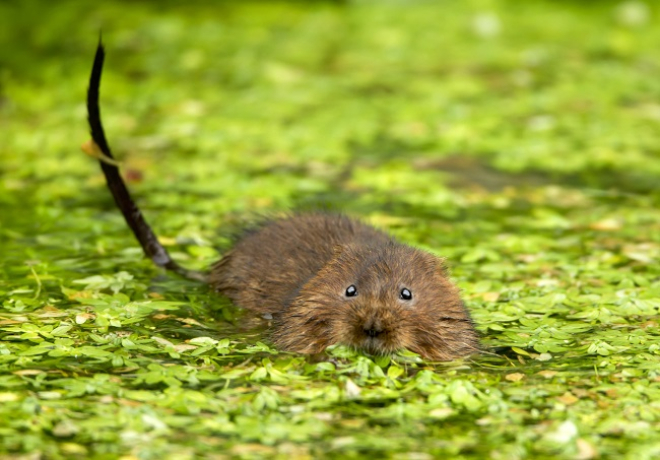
(521, 140)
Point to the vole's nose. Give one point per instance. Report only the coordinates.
(373, 328)
(373, 332)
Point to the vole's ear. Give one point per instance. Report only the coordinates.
(441, 265)
(433, 264)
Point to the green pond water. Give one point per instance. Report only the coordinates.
(520, 140)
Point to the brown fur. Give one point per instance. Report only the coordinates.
(298, 269)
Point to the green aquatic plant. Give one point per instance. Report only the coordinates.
(517, 140)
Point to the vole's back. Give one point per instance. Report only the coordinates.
(266, 268)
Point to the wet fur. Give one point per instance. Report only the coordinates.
(298, 269)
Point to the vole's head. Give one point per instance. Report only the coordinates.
(379, 298)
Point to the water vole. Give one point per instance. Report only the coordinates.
(329, 279)
(324, 278)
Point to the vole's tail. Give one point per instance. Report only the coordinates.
(150, 244)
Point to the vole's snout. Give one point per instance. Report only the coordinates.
(373, 328)
(373, 332)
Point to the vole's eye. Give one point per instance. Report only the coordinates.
(351, 291)
(405, 294)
